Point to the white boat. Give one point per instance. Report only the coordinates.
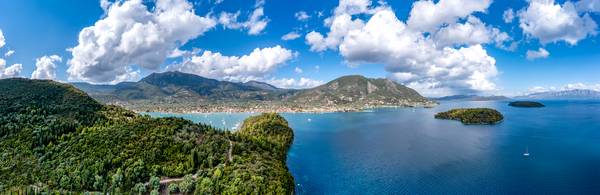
(526, 152)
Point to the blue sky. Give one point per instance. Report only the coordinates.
(429, 53)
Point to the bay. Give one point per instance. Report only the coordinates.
(407, 151)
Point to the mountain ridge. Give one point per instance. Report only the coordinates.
(572, 94)
(181, 92)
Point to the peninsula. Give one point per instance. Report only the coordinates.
(526, 104)
(56, 139)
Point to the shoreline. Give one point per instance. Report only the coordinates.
(268, 109)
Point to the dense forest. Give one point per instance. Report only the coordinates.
(55, 138)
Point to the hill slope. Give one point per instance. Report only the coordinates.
(54, 137)
(358, 91)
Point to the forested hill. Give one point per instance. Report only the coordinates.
(53, 137)
(359, 90)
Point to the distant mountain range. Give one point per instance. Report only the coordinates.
(573, 94)
(470, 98)
(172, 89)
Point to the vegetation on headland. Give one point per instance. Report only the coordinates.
(55, 138)
(526, 104)
(472, 116)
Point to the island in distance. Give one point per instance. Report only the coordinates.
(526, 104)
(184, 93)
(472, 116)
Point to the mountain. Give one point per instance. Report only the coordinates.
(359, 90)
(262, 85)
(470, 98)
(55, 138)
(181, 92)
(182, 87)
(574, 94)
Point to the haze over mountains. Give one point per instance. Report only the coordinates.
(572, 94)
(193, 90)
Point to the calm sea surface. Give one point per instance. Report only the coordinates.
(407, 151)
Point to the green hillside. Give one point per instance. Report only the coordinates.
(53, 137)
(358, 90)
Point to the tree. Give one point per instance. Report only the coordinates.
(173, 188)
(140, 188)
(155, 183)
(154, 192)
(187, 185)
(117, 179)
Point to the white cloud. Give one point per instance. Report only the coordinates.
(427, 16)
(257, 65)
(255, 24)
(45, 67)
(9, 53)
(472, 32)
(2, 40)
(340, 26)
(416, 60)
(132, 35)
(11, 71)
(298, 70)
(588, 6)
(302, 16)
(301, 83)
(550, 22)
(438, 51)
(290, 36)
(508, 15)
(540, 53)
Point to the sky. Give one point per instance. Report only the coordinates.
(442, 47)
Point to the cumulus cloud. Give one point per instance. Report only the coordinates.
(302, 16)
(540, 53)
(416, 60)
(132, 35)
(45, 67)
(552, 22)
(257, 65)
(508, 15)
(472, 32)
(438, 51)
(428, 16)
(301, 83)
(588, 6)
(9, 53)
(290, 36)
(11, 71)
(339, 24)
(298, 70)
(255, 24)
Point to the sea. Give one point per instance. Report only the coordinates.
(408, 151)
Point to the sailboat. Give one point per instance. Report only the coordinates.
(526, 154)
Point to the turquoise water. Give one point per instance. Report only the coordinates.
(407, 151)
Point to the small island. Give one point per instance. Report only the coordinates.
(472, 116)
(526, 104)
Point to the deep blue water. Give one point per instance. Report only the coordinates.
(407, 151)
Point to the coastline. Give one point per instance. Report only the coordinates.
(263, 108)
